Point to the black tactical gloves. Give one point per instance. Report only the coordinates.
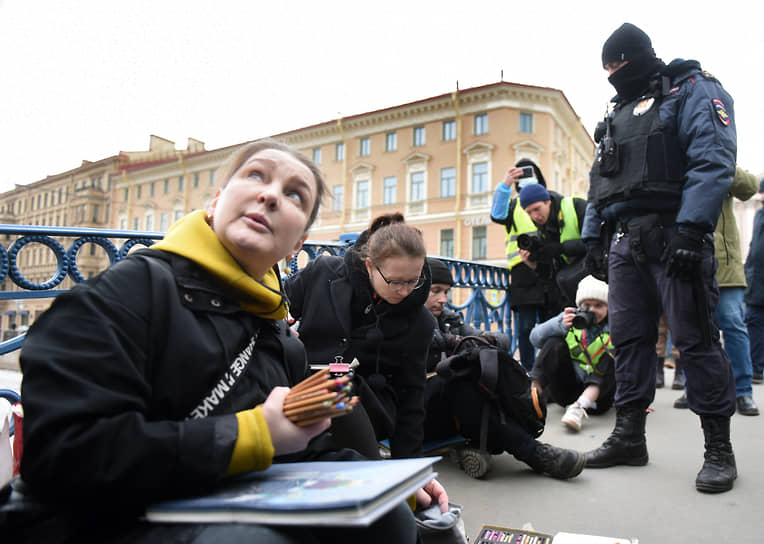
(596, 263)
(683, 254)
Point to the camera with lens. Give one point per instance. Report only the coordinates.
(583, 318)
(530, 241)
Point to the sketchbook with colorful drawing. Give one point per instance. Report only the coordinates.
(349, 493)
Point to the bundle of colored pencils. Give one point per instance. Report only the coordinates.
(318, 397)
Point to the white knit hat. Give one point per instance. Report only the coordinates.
(591, 288)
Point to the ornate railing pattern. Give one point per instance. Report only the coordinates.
(475, 276)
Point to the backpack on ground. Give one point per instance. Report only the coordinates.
(502, 381)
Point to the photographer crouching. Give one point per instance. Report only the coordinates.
(549, 245)
(575, 363)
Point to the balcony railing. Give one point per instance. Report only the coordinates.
(476, 277)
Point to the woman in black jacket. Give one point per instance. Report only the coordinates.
(168, 371)
(369, 306)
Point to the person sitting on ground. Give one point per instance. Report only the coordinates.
(451, 327)
(369, 305)
(454, 407)
(575, 366)
(127, 389)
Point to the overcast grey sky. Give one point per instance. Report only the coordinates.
(85, 79)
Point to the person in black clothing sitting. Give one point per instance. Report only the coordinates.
(453, 407)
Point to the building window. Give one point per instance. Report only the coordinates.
(177, 214)
(339, 152)
(362, 195)
(137, 223)
(125, 195)
(96, 211)
(389, 189)
(391, 141)
(212, 177)
(151, 189)
(526, 123)
(479, 178)
(138, 192)
(449, 131)
(419, 138)
(364, 147)
(447, 243)
(479, 245)
(163, 220)
(447, 182)
(181, 183)
(481, 124)
(150, 222)
(196, 180)
(317, 155)
(417, 186)
(167, 186)
(338, 192)
(123, 223)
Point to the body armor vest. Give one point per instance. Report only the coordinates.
(638, 157)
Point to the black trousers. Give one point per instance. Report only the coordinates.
(563, 384)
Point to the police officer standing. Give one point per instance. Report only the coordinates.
(665, 161)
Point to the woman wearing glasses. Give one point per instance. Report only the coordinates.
(369, 305)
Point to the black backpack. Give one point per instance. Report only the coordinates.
(503, 382)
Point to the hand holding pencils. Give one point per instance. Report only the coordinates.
(318, 397)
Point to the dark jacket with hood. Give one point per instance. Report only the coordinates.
(340, 315)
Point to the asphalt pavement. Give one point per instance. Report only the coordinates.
(655, 503)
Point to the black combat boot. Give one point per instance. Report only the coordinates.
(679, 380)
(555, 462)
(626, 445)
(719, 470)
(659, 379)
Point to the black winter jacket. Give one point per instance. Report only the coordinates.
(333, 300)
(132, 371)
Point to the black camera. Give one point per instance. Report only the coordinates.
(584, 318)
(530, 242)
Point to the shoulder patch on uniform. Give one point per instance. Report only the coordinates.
(721, 111)
(674, 89)
(708, 75)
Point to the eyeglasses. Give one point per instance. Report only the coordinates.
(399, 285)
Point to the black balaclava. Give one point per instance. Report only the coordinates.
(631, 44)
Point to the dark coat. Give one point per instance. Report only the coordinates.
(754, 264)
(107, 401)
(332, 297)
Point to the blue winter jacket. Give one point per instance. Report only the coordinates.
(697, 108)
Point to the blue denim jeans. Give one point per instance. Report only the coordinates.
(754, 320)
(729, 315)
(527, 316)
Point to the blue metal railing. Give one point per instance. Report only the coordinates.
(477, 277)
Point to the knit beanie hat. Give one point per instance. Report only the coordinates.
(533, 193)
(627, 43)
(591, 288)
(440, 272)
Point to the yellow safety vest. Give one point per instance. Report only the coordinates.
(523, 224)
(587, 354)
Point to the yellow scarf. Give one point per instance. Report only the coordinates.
(192, 238)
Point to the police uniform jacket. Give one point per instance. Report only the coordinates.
(340, 315)
(700, 114)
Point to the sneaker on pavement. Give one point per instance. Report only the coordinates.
(574, 417)
(758, 377)
(681, 402)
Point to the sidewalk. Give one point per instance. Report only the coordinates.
(654, 503)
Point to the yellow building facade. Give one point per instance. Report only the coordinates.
(436, 160)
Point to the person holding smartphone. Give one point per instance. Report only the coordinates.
(555, 235)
